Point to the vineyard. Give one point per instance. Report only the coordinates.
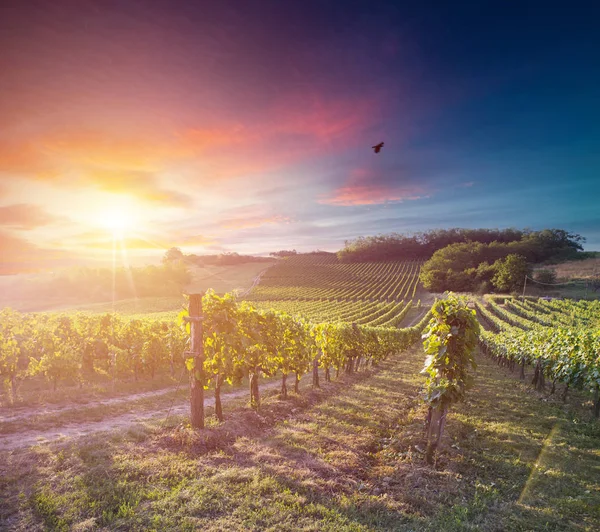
(560, 339)
(323, 277)
(349, 441)
(320, 288)
(239, 341)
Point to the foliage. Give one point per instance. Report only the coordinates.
(511, 273)
(172, 255)
(105, 284)
(465, 266)
(450, 341)
(536, 245)
(545, 276)
(283, 253)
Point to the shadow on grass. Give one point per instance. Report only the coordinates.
(342, 458)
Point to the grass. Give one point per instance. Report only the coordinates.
(577, 269)
(37, 391)
(345, 458)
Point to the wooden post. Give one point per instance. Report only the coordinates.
(197, 375)
(315, 374)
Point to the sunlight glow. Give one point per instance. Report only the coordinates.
(118, 221)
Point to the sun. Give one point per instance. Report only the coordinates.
(117, 220)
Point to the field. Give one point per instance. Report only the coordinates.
(346, 457)
(320, 288)
(113, 452)
(18, 291)
(580, 269)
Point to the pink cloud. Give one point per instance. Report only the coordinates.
(25, 216)
(20, 255)
(367, 188)
(249, 222)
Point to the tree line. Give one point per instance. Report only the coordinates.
(500, 266)
(537, 246)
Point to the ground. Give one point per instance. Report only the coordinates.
(346, 457)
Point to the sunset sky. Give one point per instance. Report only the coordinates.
(247, 126)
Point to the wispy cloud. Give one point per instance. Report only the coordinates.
(254, 221)
(19, 255)
(25, 216)
(366, 187)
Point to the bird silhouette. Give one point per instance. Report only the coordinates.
(378, 147)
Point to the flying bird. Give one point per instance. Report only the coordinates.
(378, 147)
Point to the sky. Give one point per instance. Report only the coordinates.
(248, 126)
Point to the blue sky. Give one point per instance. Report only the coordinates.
(238, 126)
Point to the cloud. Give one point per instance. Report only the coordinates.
(101, 240)
(293, 129)
(142, 185)
(21, 256)
(111, 163)
(195, 240)
(290, 130)
(250, 222)
(25, 216)
(366, 187)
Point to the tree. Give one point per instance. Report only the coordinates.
(283, 253)
(449, 341)
(173, 255)
(546, 277)
(510, 273)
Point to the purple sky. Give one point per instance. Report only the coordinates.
(248, 126)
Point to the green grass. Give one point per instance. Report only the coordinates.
(346, 458)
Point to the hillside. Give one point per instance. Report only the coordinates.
(320, 288)
(44, 292)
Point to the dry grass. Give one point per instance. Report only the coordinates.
(577, 269)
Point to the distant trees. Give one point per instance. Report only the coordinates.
(102, 284)
(477, 266)
(283, 253)
(535, 245)
(173, 255)
(511, 272)
(224, 259)
(546, 277)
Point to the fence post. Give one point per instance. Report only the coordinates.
(197, 351)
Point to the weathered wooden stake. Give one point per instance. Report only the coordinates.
(197, 375)
(315, 373)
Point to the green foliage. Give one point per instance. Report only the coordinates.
(419, 246)
(449, 341)
(545, 276)
(466, 266)
(510, 273)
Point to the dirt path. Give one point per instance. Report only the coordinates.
(254, 282)
(416, 319)
(27, 438)
(24, 413)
